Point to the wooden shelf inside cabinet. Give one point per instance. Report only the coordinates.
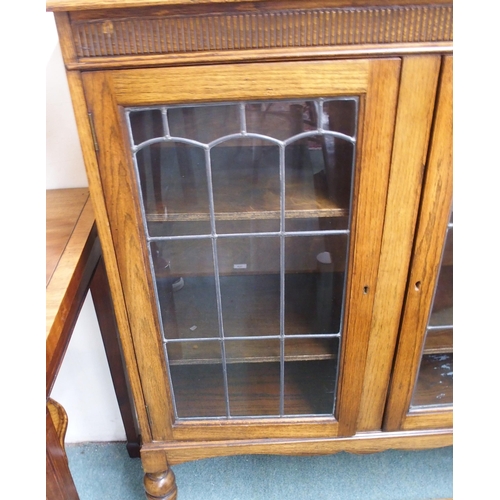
(439, 341)
(250, 351)
(185, 199)
(245, 216)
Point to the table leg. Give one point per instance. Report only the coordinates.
(101, 295)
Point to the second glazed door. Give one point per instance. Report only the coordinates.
(421, 392)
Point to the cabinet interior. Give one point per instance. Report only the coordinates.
(434, 385)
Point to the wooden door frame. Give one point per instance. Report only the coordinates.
(416, 106)
(108, 92)
(430, 238)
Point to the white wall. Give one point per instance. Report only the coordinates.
(84, 384)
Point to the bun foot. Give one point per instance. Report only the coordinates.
(160, 485)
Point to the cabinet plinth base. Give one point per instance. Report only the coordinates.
(160, 485)
(364, 442)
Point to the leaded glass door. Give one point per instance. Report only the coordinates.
(421, 392)
(238, 200)
(247, 209)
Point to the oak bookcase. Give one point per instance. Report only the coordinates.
(272, 184)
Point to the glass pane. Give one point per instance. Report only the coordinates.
(204, 123)
(442, 308)
(435, 381)
(249, 270)
(310, 382)
(246, 184)
(198, 384)
(434, 385)
(185, 282)
(314, 283)
(253, 375)
(174, 189)
(146, 124)
(318, 174)
(339, 115)
(281, 119)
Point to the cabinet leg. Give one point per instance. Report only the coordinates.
(160, 485)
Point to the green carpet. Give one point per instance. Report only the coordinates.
(104, 471)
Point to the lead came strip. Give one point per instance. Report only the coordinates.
(319, 131)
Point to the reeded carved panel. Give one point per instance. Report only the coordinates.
(264, 30)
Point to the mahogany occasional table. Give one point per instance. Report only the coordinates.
(73, 267)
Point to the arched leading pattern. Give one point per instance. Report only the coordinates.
(247, 209)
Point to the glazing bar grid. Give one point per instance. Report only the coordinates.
(213, 236)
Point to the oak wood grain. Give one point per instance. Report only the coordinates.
(380, 78)
(160, 485)
(431, 418)
(221, 28)
(207, 430)
(128, 241)
(65, 35)
(73, 265)
(367, 442)
(159, 480)
(70, 5)
(419, 79)
(95, 186)
(372, 177)
(262, 55)
(111, 34)
(240, 82)
(429, 242)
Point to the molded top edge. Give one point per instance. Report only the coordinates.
(79, 5)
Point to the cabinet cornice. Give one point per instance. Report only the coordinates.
(202, 33)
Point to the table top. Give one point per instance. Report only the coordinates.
(63, 210)
(71, 256)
